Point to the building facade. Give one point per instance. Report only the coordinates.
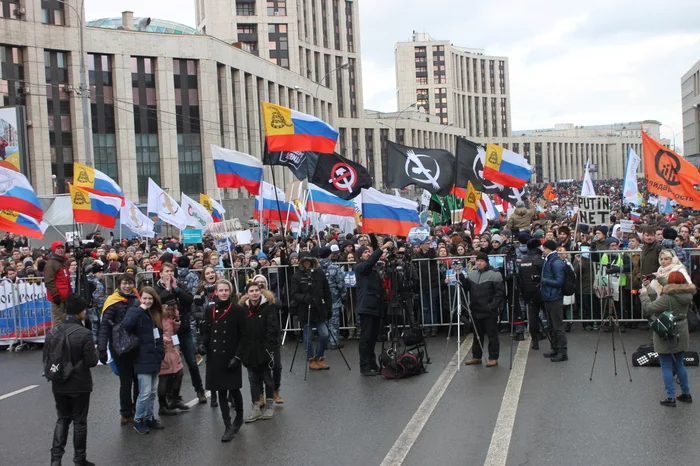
(690, 102)
(462, 86)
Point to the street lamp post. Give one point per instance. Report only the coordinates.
(675, 135)
(344, 66)
(84, 87)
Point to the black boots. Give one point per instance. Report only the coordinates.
(671, 402)
(229, 433)
(164, 408)
(560, 356)
(535, 344)
(551, 354)
(238, 421)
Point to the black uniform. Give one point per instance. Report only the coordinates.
(529, 274)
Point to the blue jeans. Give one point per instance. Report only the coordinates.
(430, 301)
(669, 364)
(323, 335)
(148, 388)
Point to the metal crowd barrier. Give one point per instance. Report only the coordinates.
(25, 314)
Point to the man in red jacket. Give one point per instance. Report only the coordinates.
(57, 280)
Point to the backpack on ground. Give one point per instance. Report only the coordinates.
(58, 364)
(569, 288)
(403, 366)
(645, 356)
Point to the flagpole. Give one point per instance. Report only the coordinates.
(318, 235)
(228, 242)
(277, 199)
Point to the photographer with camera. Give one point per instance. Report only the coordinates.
(370, 302)
(312, 294)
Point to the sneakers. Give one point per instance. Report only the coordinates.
(671, 402)
(278, 399)
(261, 401)
(492, 363)
(255, 414)
(154, 423)
(369, 372)
(685, 398)
(321, 364)
(141, 427)
(269, 409)
(313, 365)
(472, 362)
(199, 359)
(202, 397)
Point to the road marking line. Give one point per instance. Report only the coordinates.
(408, 437)
(17, 392)
(502, 433)
(194, 402)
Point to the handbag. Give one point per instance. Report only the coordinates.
(123, 342)
(664, 325)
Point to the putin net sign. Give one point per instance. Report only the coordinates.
(594, 210)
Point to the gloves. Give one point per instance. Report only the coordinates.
(103, 357)
(614, 269)
(201, 349)
(308, 299)
(56, 300)
(234, 364)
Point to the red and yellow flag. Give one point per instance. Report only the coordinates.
(549, 193)
(670, 175)
(471, 203)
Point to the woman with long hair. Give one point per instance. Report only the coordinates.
(222, 333)
(205, 295)
(145, 321)
(677, 297)
(668, 262)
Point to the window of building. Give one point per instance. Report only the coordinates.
(11, 76)
(421, 80)
(102, 110)
(384, 146)
(342, 133)
(8, 9)
(352, 82)
(314, 29)
(277, 7)
(355, 143)
(421, 69)
(369, 150)
(422, 98)
(245, 7)
(305, 19)
(279, 44)
(53, 12)
(189, 147)
(421, 60)
(339, 87)
(247, 29)
(324, 22)
(440, 79)
(60, 129)
(502, 76)
(350, 31)
(336, 23)
(143, 86)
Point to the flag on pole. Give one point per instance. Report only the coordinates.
(630, 191)
(20, 224)
(272, 203)
(323, 202)
(341, 176)
(471, 203)
(16, 193)
(215, 209)
(165, 207)
(549, 193)
(488, 207)
(431, 169)
(131, 217)
(587, 189)
(197, 215)
(95, 181)
(387, 214)
(670, 175)
(470, 161)
(505, 167)
(236, 170)
(289, 130)
(92, 208)
(301, 163)
(482, 221)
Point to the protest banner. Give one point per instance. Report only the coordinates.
(594, 210)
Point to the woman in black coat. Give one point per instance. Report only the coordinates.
(259, 345)
(222, 333)
(145, 322)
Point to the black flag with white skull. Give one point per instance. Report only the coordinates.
(340, 176)
(430, 169)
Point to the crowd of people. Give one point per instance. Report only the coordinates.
(180, 303)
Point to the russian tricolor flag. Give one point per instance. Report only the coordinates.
(95, 181)
(16, 193)
(274, 205)
(387, 214)
(323, 202)
(506, 167)
(289, 130)
(20, 224)
(93, 208)
(236, 170)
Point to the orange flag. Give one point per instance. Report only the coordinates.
(670, 175)
(549, 193)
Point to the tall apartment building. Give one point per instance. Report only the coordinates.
(462, 86)
(690, 102)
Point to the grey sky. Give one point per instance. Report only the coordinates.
(593, 62)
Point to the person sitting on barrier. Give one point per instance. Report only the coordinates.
(487, 297)
(676, 296)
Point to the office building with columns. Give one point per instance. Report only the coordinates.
(690, 102)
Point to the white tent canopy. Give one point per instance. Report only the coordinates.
(60, 213)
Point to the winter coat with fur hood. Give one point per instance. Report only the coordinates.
(677, 299)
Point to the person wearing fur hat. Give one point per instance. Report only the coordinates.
(676, 296)
(309, 289)
(564, 238)
(57, 281)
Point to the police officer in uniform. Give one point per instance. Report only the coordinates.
(529, 267)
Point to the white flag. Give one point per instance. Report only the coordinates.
(425, 198)
(587, 188)
(197, 215)
(161, 204)
(629, 187)
(132, 218)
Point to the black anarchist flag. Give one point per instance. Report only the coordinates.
(340, 176)
(431, 169)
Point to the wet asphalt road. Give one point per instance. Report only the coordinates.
(337, 417)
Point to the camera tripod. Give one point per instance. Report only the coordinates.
(310, 343)
(610, 319)
(457, 310)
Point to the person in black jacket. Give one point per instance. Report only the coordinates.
(167, 285)
(72, 396)
(310, 290)
(259, 345)
(145, 321)
(113, 312)
(529, 267)
(222, 333)
(370, 303)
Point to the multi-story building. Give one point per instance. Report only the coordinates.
(462, 86)
(690, 101)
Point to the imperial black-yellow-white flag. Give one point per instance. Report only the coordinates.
(431, 169)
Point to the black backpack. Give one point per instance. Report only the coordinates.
(406, 365)
(58, 364)
(569, 288)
